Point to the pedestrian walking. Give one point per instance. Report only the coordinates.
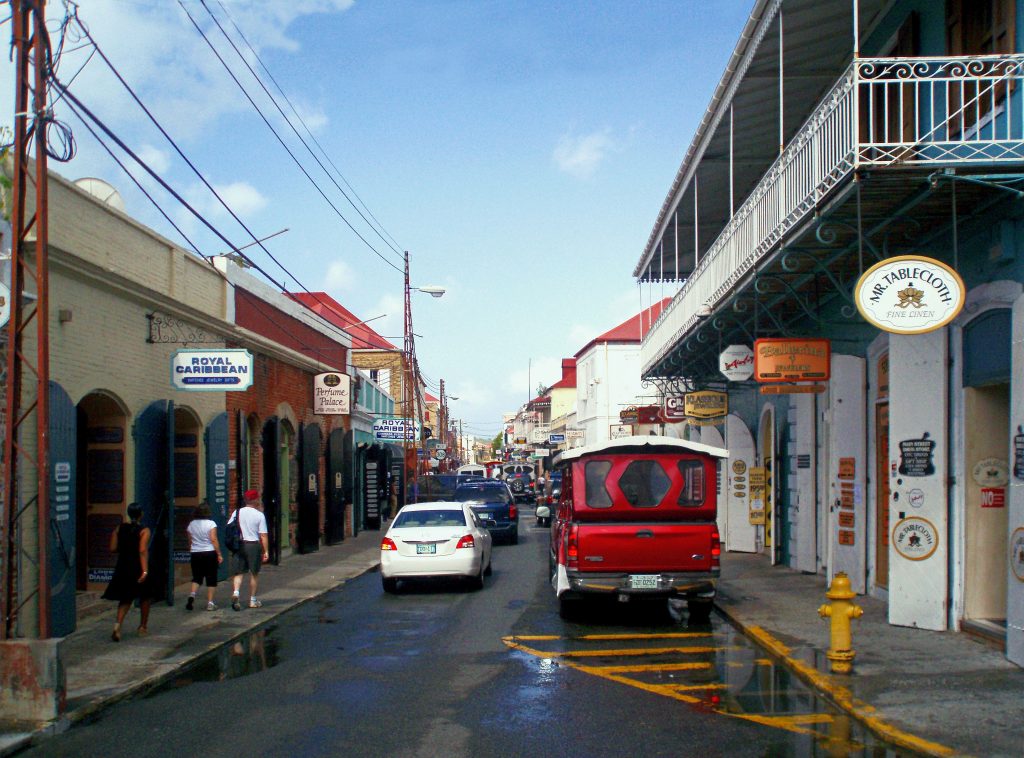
(205, 555)
(255, 548)
(131, 579)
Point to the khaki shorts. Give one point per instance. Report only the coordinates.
(247, 560)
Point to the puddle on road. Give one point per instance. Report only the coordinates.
(713, 668)
(249, 654)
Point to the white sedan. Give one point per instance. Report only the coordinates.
(435, 540)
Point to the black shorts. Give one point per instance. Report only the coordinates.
(204, 568)
(248, 560)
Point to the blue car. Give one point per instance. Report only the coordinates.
(492, 500)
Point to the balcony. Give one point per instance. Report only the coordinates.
(883, 114)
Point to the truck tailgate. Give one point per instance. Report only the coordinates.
(645, 548)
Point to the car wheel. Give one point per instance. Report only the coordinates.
(477, 582)
(390, 585)
(514, 539)
(489, 570)
(700, 610)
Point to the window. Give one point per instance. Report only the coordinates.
(978, 27)
(693, 491)
(644, 483)
(410, 519)
(595, 474)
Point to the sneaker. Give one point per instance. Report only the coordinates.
(211, 606)
(254, 603)
(235, 605)
(189, 603)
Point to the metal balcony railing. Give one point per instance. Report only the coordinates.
(882, 112)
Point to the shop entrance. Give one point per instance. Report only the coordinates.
(986, 414)
(187, 436)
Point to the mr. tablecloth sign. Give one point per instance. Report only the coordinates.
(910, 294)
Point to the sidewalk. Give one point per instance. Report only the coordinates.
(100, 672)
(937, 693)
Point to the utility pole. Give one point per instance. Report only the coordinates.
(25, 596)
(408, 393)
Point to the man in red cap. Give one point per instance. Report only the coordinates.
(255, 548)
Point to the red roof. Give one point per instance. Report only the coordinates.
(568, 380)
(430, 398)
(363, 337)
(631, 330)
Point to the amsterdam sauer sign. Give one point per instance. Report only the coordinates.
(910, 294)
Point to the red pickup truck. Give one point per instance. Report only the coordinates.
(636, 517)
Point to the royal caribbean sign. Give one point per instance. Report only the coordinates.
(211, 370)
(910, 294)
(400, 429)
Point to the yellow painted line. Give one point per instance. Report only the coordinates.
(698, 687)
(842, 697)
(667, 636)
(776, 722)
(701, 666)
(537, 637)
(628, 651)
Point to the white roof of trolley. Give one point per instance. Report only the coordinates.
(642, 444)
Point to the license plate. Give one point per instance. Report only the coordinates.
(426, 549)
(643, 581)
(486, 516)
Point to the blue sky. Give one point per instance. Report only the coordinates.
(519, 150)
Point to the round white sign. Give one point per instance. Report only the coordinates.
(737, 363)
(915, 538)
(5, 304)
(910, 294)
(991, 472)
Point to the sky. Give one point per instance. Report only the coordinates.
(520, 151)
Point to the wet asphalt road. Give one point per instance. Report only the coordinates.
(439, 670)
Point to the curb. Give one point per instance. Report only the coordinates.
(835, 693)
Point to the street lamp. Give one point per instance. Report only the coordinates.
(410, 380)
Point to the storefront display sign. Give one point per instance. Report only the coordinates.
(629, 415)
(392, 429)
(993, 497)
(1018, 453)
(331, 394)
(916, 456)
(736, 363)
(758, 483)
(618, 431)
(910, 294)
(211, 370)
(1017, 553)
(778, 359)
(674, 409)
(915, 538)
(991, 472)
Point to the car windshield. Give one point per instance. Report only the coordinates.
(482, 494)
(439, 517)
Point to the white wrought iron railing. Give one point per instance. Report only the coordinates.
(881, 112)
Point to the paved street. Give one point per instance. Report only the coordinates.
(440, 669)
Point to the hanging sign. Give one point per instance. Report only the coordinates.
(211, 370)
(674, 409)
(400, 429)
(331, 394)
(736, 363)
(910, 294)
(629, 415)
(778, 359)
(706, 405)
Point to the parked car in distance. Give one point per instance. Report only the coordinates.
(435, 487)
(519, 477)
(637, 519)
(442, 539)
(493, 502)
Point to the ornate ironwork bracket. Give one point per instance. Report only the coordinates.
(166, 330)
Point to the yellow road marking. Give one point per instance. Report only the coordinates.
(633, 651)
(780, 722)
(698, 687)
(536, 637)
(640, 667)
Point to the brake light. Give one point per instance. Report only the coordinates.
(572, 548)
(512, 512)
(466, 541)
(550, 500)
(716, 549)
(388, 544)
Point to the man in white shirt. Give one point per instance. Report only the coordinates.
(255, 548)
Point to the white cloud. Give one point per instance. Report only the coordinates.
(582, 155)
(155, 158)
(339, 277)
(241, 197)
(543, 370)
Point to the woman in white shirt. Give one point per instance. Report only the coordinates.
(206, 555)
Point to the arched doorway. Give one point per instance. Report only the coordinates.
(187, 475)
(102, 430)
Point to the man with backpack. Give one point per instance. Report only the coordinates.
(253, 551)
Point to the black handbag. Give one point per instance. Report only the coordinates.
(233, 534)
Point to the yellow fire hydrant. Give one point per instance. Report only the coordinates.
(841, 611)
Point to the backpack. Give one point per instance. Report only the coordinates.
(233, 535)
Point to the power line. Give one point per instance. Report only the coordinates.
(283, 144)
(295, 111)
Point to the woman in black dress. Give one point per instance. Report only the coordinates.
(131, 573)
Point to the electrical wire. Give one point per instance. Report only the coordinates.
(280, 110)
(288, 150)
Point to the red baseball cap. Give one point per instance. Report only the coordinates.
(251, 495)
